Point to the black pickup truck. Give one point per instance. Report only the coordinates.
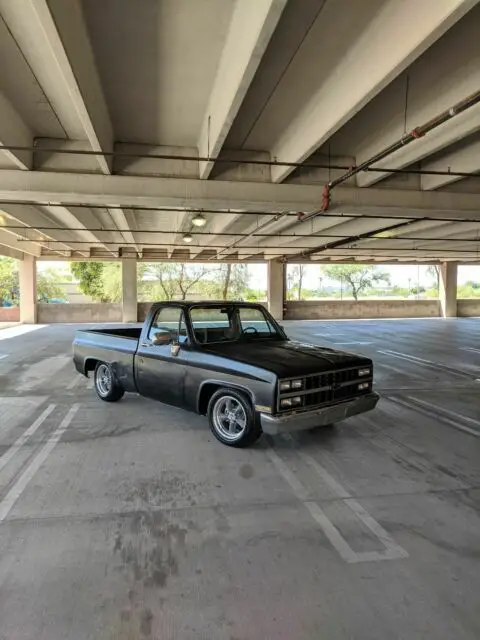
(230, 361)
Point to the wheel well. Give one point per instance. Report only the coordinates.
(90, 365)
(209, 389)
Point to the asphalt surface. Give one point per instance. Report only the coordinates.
(130, 521)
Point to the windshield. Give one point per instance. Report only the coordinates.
(230, 323)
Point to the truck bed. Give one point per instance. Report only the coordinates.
(116, 346)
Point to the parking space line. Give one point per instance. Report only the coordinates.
(2, 357)
(20, 441)
(470, 349)
(450, 413)
(20, 485)
(90, 384)
(426, 363)
(416, 405)
(392, 551)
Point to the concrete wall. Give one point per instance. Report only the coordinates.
(9, 314)
(295, 310)
(468, 308)
(319, 309)
(50, 313)
(143, 309)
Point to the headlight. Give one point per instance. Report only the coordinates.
(286, 385)
(297, 384)
(364, 372)
(286, 403)
(363, 385)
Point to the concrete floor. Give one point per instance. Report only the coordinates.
(130, 521)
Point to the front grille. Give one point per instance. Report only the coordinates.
(332, 378)
(331, 387)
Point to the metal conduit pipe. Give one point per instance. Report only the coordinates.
(415, 134)
(226, 160)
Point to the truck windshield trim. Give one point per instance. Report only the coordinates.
(213, 324)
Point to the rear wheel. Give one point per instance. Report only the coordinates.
(106, 385)
(232, 419)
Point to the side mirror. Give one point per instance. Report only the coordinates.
(161, 338)
(174, 347)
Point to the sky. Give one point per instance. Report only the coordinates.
(399, 274)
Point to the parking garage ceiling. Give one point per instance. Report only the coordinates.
(320, 130)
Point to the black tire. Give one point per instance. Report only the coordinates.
(111, 391)
(239, 432)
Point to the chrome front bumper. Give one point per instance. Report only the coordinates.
(274, 425)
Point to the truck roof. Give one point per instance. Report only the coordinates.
(207, 303)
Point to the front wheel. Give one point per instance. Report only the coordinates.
(232, 419)
(106, 385)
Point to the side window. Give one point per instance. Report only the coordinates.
(165, 324)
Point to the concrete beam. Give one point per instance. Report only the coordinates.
(6, 252)
(252, 25)
(32, 218)
(14, 132)
(437, 81)
(12, 240)
(369, 65)
(54, 40)
(465, 159)
(125, 191)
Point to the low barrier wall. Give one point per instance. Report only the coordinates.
(294, 310)
(91, 312)
(9, 314)
(331, 309)
(468, 308)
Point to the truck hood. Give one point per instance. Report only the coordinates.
(287, 358)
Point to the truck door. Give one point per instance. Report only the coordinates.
(159, 373)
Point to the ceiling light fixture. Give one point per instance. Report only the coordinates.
(199, 220)
(187, 237)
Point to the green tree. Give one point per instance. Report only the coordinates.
(356, 277)
(234, 280)
(48, 286)
(295, 279)
(170, 280)
(9, 289)
(90, 278)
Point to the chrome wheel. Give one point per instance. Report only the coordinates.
(103, 380)
(229, 418)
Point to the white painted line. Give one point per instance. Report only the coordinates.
(449, 412)
(412, 405)
(20, 485)
(19, 442)
(395, 551)
(344, 343)
(336, 539)
(298, 489)
(427, 363)
(90, 384)
(392, 550)
(470, 349)
(4, 356)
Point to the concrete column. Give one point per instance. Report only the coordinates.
(276, 288)
(129, 290)
(448, 289)
(28, 289)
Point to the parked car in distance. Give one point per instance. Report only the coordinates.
(230, 361)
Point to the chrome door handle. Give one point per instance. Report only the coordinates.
(146, 344)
